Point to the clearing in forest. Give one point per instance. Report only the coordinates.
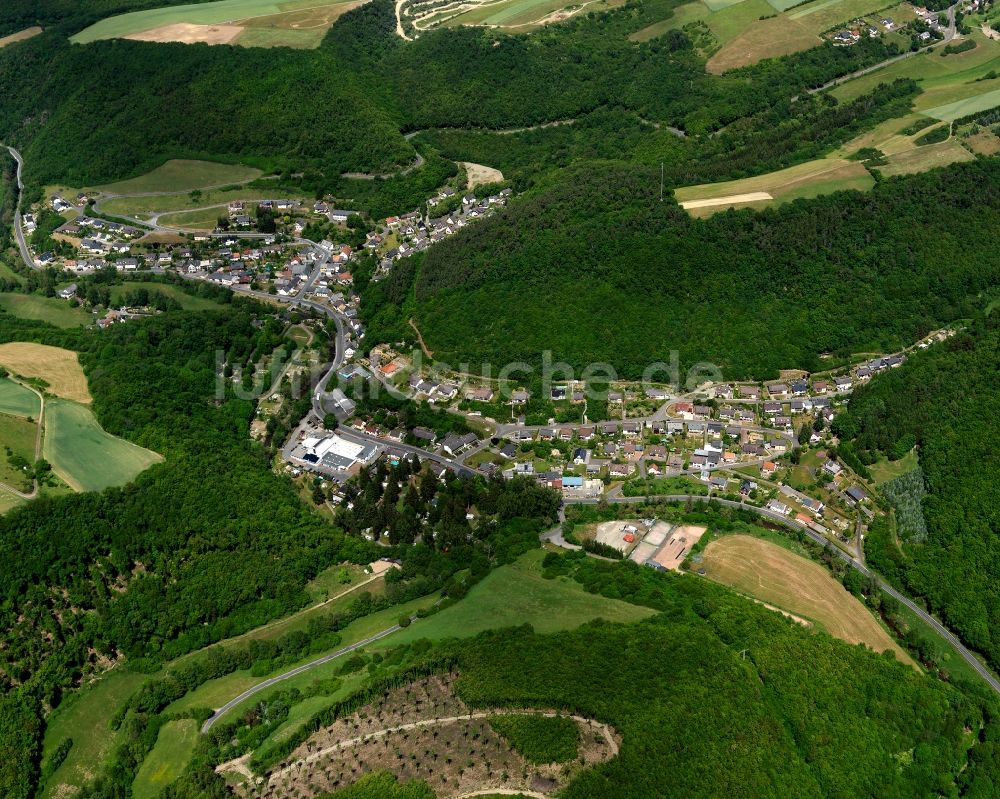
(519, 594)
(59, 368)
(479, 175)
(810, 179)
(772, 574)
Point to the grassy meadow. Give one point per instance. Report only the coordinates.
(45, 309)
(187, 301)
(168, 758)
(181, 175)
(17, 400)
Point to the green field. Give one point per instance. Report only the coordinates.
(518, 594)
(194, 220)
(164, 764)
(270, 23)
(144, 206)
(961, 108)
(17, 400)
(84, 716)
(182, 175)
(45, 309)
(17, 438)
(84, 455)
(187, 301)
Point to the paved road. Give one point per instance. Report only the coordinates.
(210, 722)
(940, 629)
(22, 245)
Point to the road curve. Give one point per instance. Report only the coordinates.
(984, 672)
(293, 673)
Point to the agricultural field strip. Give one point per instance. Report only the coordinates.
(605, 729)
(217, 13)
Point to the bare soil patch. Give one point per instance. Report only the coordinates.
(733, 199)
(479, 174)
(423, 731)
(187, 33)
(20, 36)
(678, 545)
(58, 367)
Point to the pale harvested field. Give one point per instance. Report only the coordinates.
(58, 367)
(732, 199)
(20, 36)
(767, 572)
(479, 174)
(186, 33)
(679, 545)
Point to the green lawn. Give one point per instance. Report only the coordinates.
(518, 594)
(83, 454)
(165, 763)
(84, 716)
(182, 175)
(18, 400)
(187, 301)
(45, 309)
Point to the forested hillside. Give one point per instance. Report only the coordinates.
(342, 107)
(946, 402)
(595, 268)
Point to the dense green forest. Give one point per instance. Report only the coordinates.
(945, 401)
(344, 106)
(596, 269)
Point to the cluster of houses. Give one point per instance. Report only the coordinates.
(415, 231)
